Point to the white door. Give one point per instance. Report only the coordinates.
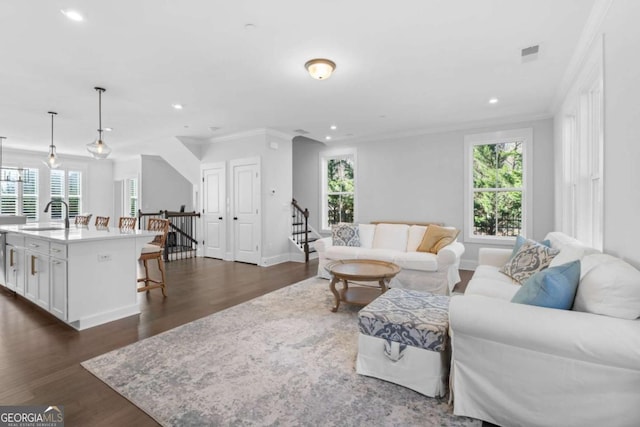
(246, 210)
(213, 209)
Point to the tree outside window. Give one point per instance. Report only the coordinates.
(338, 192)
(497, 194)
(497, 185)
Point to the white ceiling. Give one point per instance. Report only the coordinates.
(402, 66)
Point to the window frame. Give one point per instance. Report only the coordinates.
(325, 156)
(523, 135)
(128, 197)
(19, 195)
(82, 197)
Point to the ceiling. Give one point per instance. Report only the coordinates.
(402, 67)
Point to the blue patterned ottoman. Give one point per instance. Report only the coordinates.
(404, 339)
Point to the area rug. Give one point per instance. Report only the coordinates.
(280, 359)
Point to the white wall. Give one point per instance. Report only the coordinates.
(276, 173)
(621, 129)
(306, 172)
(162, 187)
(420, 178)
(97, 179)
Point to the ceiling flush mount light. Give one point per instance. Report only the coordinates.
(320, 69)
(334, 127)
(52, 160)
(73, 15)
(493, 101)
(98, 148)
(177, 106)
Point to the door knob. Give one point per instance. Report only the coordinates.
(219, 217)
(235, 218)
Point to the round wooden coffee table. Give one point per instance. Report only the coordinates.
(363, 270)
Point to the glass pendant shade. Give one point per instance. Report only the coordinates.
(52, 161)
(98, 148)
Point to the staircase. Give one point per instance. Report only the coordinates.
(302, 234)
(181, 242)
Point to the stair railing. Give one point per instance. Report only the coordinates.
(181, 239)
(300, 227)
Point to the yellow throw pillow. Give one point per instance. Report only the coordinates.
(436, 238)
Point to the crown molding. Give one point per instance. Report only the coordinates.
(475, 125)
(581, 53)
(253, 132)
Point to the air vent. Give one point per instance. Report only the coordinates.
(300, 131)
(530, 53)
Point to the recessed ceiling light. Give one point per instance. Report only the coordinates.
(493, 101)
(249, 27)
(74, 15)
(328, 137)
(107, 129)
(334, 127)
(177, 106)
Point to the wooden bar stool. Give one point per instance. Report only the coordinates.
(154, 250)
(82, 219)
(102, 221)
(127, 223)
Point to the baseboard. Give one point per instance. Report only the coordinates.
(273, 260)
(468, 264)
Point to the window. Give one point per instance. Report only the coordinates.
(132, 197)
(14, 203)
(338, 189)
(66, 186)
(580, 165)
(496, 185)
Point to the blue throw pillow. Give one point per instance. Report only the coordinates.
(520, 240)
(553, 287)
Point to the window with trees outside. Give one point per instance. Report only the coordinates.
(338, 187)
(67, 186)
(496, 185)
(12, 202)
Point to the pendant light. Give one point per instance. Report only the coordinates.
(52, 161)
(98, 148)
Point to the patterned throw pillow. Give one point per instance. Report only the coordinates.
(345, 234)
(530, 258)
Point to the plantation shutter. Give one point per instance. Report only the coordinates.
(30, 194)
(9, 192)
(57, 184)
(75, 193)
(133, 196)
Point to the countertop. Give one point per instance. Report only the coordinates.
(55, 231)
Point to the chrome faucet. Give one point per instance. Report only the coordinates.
(66, 217)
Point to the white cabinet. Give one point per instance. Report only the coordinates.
(58, 280)
(37, 272)
(37, 269)
(15, 264)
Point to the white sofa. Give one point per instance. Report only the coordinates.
(523, 365)
(398, 243)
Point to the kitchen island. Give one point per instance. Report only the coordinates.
(85, 276)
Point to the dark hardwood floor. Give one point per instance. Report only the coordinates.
(40, 356)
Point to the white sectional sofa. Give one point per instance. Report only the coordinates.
(398, 243)
(524, 365)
